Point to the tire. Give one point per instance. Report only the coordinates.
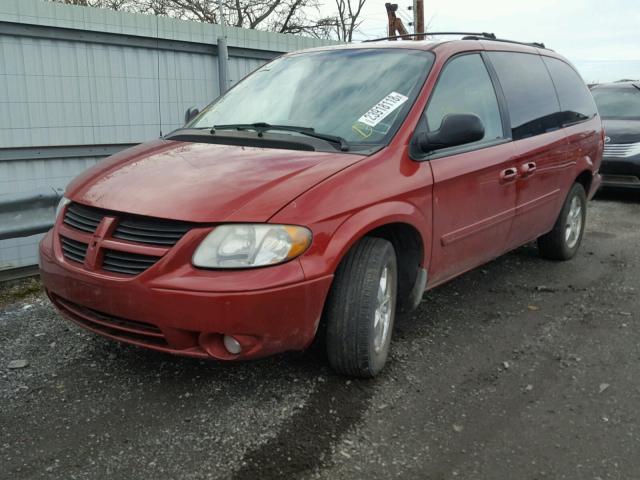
(563, 242)
(355, 347)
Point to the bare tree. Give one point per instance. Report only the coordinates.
(155, 7)
(344, 23)
(84, 3)
(128, 5)
(348, 19)
(283, 16)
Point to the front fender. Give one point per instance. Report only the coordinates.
(329, 250)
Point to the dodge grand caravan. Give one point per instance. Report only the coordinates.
(323, 194)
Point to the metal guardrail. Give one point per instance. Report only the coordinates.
(62, 152)
(28, 213)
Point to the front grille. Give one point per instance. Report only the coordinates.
(83, 218)
(133, 228)
(138, 229)
(152, 231)
(126, 262)
(621, 150)
(73, 250)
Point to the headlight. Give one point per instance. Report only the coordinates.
(247, 246)
(64, 201)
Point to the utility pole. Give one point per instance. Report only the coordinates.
(418, 17)
(223, 54)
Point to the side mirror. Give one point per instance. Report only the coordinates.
(456, 129)
(190, 114)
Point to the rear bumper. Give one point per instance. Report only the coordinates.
(621, 172)
(150, 311)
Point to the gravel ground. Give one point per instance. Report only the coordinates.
(521, 369)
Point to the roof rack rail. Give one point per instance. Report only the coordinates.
(486, 35)
(530, 44)
(467, 36)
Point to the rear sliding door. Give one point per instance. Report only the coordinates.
(541, 147)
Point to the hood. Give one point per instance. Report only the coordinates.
(622, 131)
(201, 182)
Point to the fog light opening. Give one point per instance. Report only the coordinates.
(232, 345)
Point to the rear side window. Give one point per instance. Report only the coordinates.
(576, 102)
(531, 98)
(464, 86)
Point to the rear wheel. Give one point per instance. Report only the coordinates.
(360, 309)
(564, 240)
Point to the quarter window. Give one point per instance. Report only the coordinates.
(576, 102)
(531, 98)
(464, 86)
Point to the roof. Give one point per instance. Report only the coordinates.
(447, 48)
(435, 44)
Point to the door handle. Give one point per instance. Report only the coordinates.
(528, 169)
(508, 175)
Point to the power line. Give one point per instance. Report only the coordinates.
(406, 18)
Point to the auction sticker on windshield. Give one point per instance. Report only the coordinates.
(382, 109)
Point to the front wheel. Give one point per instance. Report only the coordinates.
(564, 240)
(360, 309)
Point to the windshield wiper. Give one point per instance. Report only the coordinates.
(261, 127)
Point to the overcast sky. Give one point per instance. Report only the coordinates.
(601, 37)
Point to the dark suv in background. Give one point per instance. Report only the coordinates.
(619, 106)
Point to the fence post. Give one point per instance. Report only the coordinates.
(223, 65)
(223, 54)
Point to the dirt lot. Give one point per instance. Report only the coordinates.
(523, 369)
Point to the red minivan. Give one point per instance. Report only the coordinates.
(324, 193)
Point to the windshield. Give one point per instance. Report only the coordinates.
(618, 103)
(361, 95)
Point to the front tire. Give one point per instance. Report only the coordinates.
(563, 242)
(360, 309)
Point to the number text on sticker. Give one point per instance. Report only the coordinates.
(382, 109)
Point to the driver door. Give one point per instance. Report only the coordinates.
(474, 194)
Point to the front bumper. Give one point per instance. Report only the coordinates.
(186, 311)
(621, 172)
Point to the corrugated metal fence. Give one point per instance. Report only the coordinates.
(78, 83)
